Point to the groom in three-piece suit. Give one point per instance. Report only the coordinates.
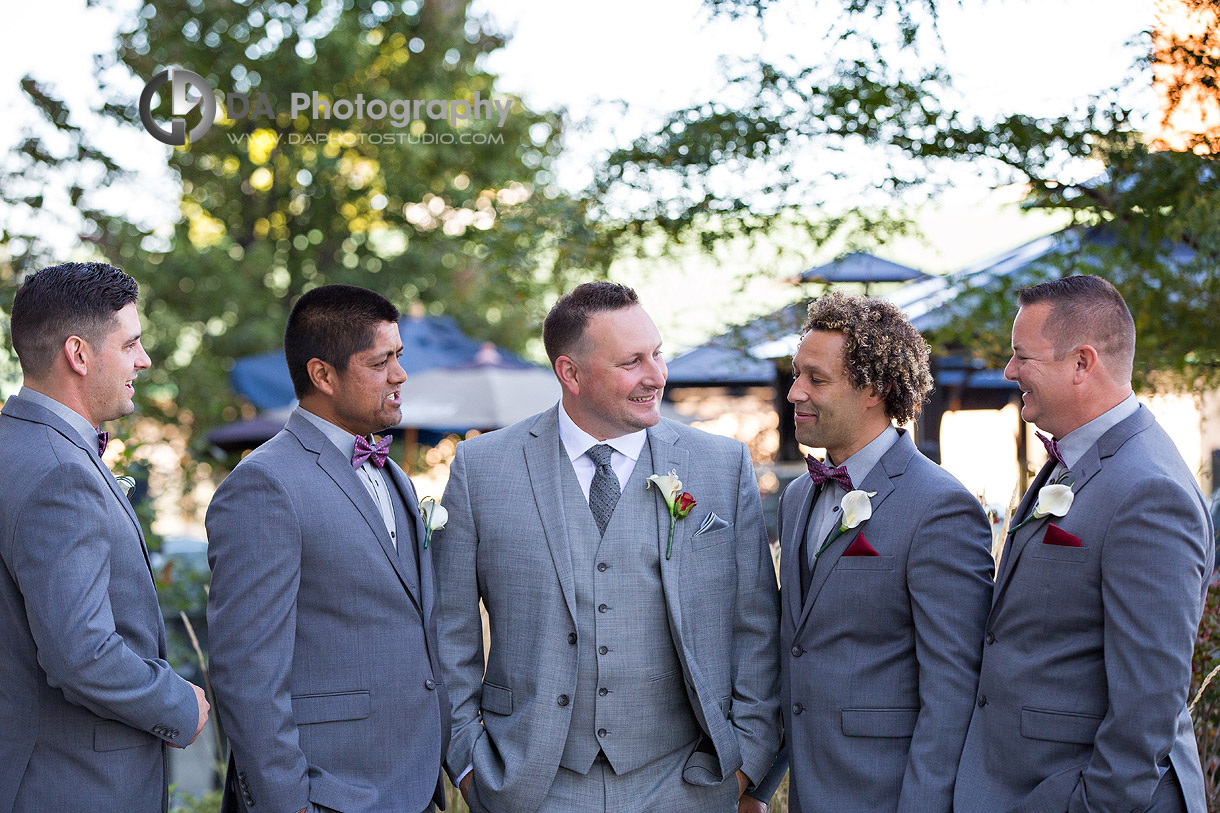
(624, 673)
(321, 612)
(87, 700)
(1082, 698)
(882, 626)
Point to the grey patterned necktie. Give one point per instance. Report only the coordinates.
(604, 491)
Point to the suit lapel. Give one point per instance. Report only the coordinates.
(542, 461)
(1016, 542)
(340, 471)
(667, 457)
(409, 558)
(790, 548)
(891, 465)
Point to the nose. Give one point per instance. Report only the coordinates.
(795, 394)
(143, 362)
(657, 373)
(1010, 369)
(397, 373)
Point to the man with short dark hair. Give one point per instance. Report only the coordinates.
(632, 660)
(89, 701)
(885, 569)
(320, 615)
(1082, 698)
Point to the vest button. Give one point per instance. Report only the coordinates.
(601, 608)
(563, 700)
(601, 732)
(797, 651)
(572, 638)
(603, 691)
(601, 650)
(601, 567)
(797, 708)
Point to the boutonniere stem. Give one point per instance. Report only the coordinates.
(435, 517)
(678, 501)
(856, 509)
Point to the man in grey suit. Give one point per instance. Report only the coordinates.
(625, 672)
(1082, 699)
(883, 608)
(323, 635)
(88, 700)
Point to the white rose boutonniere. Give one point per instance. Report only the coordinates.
(1053, 500)
(435, 517)
(856, 509)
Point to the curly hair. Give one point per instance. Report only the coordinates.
(883, 349)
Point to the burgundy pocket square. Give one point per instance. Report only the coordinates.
(1057, 536)
(860, 547)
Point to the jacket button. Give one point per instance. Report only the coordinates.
(601, 650)
(982, 700)
(797, 651)
(572, 638)
(797, 708)
(563, 700)
(601, 567)
(990, 637)
(601, 608)
(601, 732)
(430, 684)
(603, 691)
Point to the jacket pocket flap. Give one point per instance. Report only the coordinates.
(1059, 726)
(879, 722)
(865, 563)
(111, 735)
(496, 699)
(330, 708)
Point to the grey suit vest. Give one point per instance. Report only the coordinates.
(630, 699)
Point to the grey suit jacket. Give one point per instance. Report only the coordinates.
(880, 661)
(506, 544)
(87, 700)
(1085, 675)
(322, 636)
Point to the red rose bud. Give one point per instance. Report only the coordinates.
(683, 504)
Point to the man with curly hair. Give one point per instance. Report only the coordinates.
(885, 577)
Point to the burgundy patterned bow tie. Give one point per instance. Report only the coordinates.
(1052, 448)
(820, 473)
(378, 452)
(103, 438)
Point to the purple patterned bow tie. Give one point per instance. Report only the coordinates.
(378, 452)
(1052, 448)
(102, 439)
(820, 473)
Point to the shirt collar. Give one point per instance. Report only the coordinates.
(337, 435)
(861, 464)
(577, 441)
(77, 421)
(1074, 444)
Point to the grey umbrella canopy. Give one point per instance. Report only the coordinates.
(485, 395)
(861, 267)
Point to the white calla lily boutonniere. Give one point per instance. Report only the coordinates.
(435, 517)
(1053, 500)
(856, 509)
(678, 501)
(127, 484)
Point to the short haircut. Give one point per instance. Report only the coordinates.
(72, 299)
(332, 323)
(1086, 310)
(883, 349)
(564, 327)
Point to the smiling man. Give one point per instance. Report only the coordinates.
(89, 702)
(624, 673)
(883, 608)
(321, 611)
(1082, 698)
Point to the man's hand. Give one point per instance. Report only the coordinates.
(464, 786)
(748, 804)
(201, 701)
(743, 782)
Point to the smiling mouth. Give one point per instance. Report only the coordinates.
(643, 399)
(395, 397)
